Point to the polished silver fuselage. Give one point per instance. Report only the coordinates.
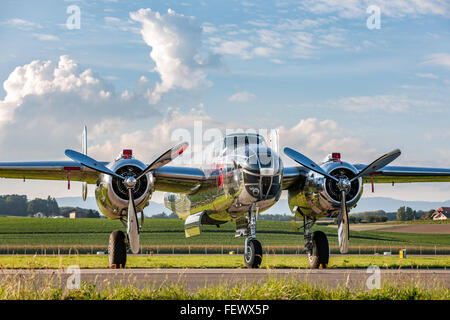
(236, 181)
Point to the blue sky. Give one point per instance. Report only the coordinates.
(313, 69)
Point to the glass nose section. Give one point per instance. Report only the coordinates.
(262, 174)
(262, 161)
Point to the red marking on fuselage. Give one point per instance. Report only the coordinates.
(220, 181)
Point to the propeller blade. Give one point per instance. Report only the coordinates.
(90, 163)
(378, 164)
(306, 162)
(165, 158)
(132, 224)
(343, 225)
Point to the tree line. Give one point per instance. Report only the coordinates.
(402, 214)
(18, 205)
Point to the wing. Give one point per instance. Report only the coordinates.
(294, 176)
(48, 170)
(182, 179)
(388, 174)
(397, 174)
(170, 179)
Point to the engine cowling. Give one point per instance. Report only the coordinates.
(112, 195)
(320, 196)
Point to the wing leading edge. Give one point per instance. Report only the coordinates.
(389, 174)
(48, 170)
(167, 178)
(190, 180)
(399, 174)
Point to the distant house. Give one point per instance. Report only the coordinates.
(77, 214)
(442, 213)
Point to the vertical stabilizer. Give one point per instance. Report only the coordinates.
(84, 141)
(84, 187)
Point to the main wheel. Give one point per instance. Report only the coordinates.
(320, 254)
(117, 249)
(253, 258)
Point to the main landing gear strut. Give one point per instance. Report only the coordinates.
(120, 243)
(316, 244)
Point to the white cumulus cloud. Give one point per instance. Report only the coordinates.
(176, 42)
(47, 103)
(242, 96)
(316, 139)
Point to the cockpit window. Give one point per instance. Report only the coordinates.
(235, 141)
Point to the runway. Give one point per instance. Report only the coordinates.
(198, 278)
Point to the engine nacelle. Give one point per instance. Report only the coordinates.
(112, 195)
(320, 196)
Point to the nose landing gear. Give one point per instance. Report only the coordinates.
(246, 227)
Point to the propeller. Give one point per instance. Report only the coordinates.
(344, 186)
(306, 162)
(132, 225)
(129, 182)
(343, 225)
(378, 164)
(90, 163)
(164, 159)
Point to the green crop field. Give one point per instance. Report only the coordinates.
(170, 232)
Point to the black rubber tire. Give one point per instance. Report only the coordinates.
(320, 254)
(254, 257)
(117, 250)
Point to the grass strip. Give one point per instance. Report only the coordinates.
(267, 290)
(217, 261)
